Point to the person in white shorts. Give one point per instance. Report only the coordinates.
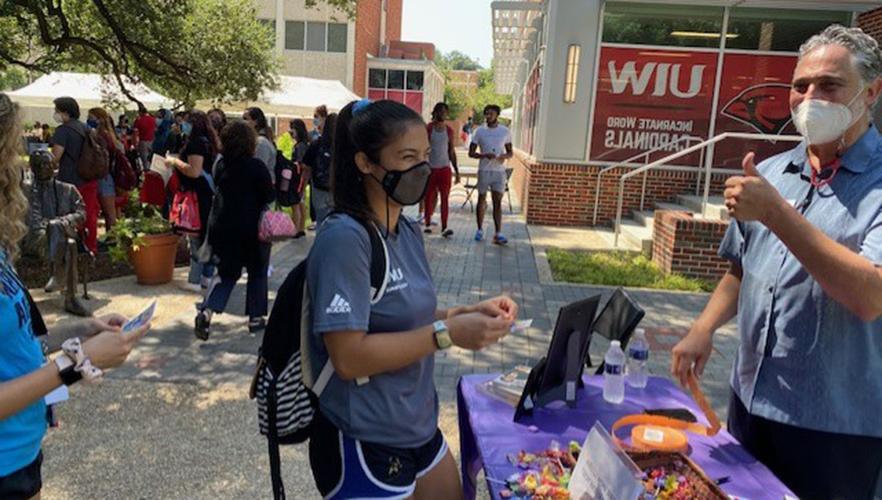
(494, 141)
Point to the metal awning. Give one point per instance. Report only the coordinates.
(514, 24)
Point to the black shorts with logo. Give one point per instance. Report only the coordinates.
(24, 483)
(347, 468)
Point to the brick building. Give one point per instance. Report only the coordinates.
(321, 42)
(602, 88)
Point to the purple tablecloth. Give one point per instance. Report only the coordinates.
(487, 434)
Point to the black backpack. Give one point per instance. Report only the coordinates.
(287, 397)
(321, 171)
(287, 192)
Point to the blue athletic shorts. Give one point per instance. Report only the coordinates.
(348, 468)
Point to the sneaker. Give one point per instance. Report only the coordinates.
(500, 240)
(192, 287)
(479, 235)
(447, 233)
(427, 230)
(256, 325)
(202, 328)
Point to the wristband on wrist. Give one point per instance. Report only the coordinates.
(73, 349)
(66, 371)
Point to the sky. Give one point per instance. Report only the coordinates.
(462, 25)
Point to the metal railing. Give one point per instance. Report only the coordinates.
(689, 139)
(706, 169)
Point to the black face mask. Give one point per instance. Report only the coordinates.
(406, 187)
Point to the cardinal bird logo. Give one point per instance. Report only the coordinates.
(763, 107)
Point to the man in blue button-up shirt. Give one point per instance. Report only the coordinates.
(805, 281)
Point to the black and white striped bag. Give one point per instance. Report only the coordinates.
(286, 393)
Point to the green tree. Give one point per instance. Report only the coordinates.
(186, 49)
(13, 78)
(455, 60)
(487, 95)
(458, 99)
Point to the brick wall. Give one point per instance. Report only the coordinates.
(688, 246)
(367, 40)
(871, 22)
(394, 9)
(563, 195)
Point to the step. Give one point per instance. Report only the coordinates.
(636, 235)
(647, 217)
(716, 208)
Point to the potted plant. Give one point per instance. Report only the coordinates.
(145, 239)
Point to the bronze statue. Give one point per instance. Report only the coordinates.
(56, 212)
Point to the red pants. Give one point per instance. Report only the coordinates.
(89, 192)
(438, 182)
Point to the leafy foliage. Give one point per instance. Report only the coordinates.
(455, 60)
(186, 49)
(13, 78)
(138, 220)
(487, 95)
(618, 269)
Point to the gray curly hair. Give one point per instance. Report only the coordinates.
(863, 47)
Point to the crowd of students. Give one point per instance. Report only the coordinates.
(363, 167)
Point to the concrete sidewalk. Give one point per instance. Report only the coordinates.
(175, 422)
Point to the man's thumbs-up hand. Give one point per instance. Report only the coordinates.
(749, 166)
(751, 197)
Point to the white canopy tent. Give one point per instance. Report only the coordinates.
(89, 89)
(299, 96)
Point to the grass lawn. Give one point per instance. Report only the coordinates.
(616, 268)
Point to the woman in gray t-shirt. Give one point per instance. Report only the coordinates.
(266, 149)
(380, 408)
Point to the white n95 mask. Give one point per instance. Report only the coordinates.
(822, 122)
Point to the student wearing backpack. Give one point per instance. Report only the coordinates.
(100, 121)
(197, 158)
(379, 412)
(67, 146)
(318, 159)
(25, 375)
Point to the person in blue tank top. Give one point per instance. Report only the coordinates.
(376, 434)
(25, 375)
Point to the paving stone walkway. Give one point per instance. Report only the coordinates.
(175, 422)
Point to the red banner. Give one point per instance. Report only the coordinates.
(647, 98)
(754, 98)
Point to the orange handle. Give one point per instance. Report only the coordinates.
(709, 412)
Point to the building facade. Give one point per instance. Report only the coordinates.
(598, 83)
(321, 42)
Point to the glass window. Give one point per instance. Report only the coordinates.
(316, 34)
(414, 80)
(377, 78)
(294, 33)
(662, 24)
(778, 29)
(337, 37)
(396, 79)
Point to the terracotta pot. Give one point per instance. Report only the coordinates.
(154, 261)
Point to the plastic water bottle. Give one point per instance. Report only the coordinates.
(638, 355)
(614, 374)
